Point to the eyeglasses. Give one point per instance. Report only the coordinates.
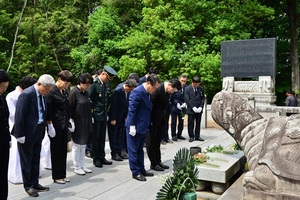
(108, 76)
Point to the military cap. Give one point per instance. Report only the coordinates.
(110, 72)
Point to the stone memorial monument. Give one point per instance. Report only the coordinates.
(271, 146)
(251, 59)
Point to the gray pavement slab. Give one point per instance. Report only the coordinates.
(114, 182)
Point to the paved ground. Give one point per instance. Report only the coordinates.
(115, 182)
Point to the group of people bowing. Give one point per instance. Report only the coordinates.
(134, 114)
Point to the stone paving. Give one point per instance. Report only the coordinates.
(114, 182)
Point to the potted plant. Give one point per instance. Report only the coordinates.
(182, 182)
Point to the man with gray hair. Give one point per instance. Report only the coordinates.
(29, 130)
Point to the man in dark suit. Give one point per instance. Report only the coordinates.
(178, 110)
(134, 76)
(194, 98)
(160, 100)
(4, 135)
(152, 70)
(116, 122)
(137, 123)
(29, 130)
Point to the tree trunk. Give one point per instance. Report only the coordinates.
(16, 36)
(293, 18)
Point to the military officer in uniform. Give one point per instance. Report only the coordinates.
(99, 94)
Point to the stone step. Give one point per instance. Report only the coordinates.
(235, 191)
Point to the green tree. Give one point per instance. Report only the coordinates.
(184, 37)
(47, 33)
(285, 27)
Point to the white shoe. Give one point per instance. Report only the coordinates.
(66, 180)
(79, 171)
(86, 170)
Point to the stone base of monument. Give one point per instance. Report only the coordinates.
(250, 194)
(261, 99)
(219, 169)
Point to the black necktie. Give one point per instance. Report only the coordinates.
(195, 91)
(42, 107)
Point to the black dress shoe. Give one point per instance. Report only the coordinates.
(145, 173)
(88, 154)
(164, 166)
(191, 139)
(116, 158)
(199, 139)
(97, 163)
(124, 155)
(139, 177)
(41, 188)
(157, 168)
(106, 162)
(32, 192)
(180, 137)
(174, 138)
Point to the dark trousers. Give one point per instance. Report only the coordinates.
(174, 117)
(135, 152)
(30, 158)
(153, 142)
(98, 140)
(194, 130)
(58, 148)
(116, 137)
(4, 157)
(124, 141)
(165, 135)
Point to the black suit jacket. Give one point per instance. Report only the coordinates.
(4, 114)
(177, 97)
(26, 116)
(142, 80)
(58, 108)
(193, 99)
(160, 99)
(119, 106)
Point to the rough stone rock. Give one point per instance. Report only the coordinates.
(271, 146)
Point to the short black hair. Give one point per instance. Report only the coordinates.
(290, 92)
(182, 76)
(26, 81)
(4, 76)
(85, 78)
(99, 71)
(134, 76)
(152, 79)
(65, 75)
(196, 79)
(152, 70)
(175, 83)
(131, 82)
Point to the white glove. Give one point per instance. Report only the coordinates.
(72, 127)
(132, 131)
(199, 110)
(51, 130)
(178, 106)
(21, 140)
(184, 105)
(195, 109)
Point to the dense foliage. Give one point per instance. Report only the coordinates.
(181, 36)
